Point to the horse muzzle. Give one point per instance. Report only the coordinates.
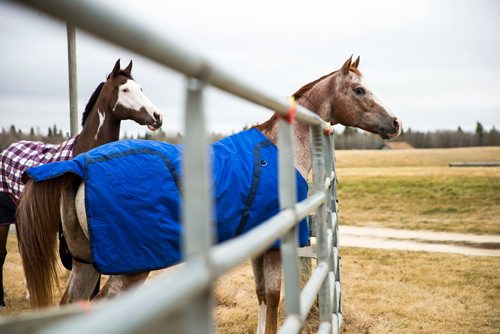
(393, 131)
(157, 121)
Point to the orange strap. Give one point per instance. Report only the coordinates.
(290, 116)
(328, 131)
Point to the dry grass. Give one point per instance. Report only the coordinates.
(414, 189)
(383, 292)
(417, 157)
(390, 292)
(386, 291)
(14, 282)
(409, 292)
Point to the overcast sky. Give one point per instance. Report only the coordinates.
(436, 63)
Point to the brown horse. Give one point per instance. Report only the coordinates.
(117, 99)
(338, 97)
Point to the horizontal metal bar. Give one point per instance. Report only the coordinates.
(233, 252)
(312, 202)
(329, 240)
(134, 34)
(329, 180)
(33, 321)
(325, 328)
(292, 324)
(338, 292)
(334, 219)
(311, 289)
(335, 323)
(331, 281)
(155, 300)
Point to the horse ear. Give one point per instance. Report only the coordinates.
(116, 69)
(347, 65)
(356, 63)
(128, 69)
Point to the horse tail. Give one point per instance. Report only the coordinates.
(38, 220)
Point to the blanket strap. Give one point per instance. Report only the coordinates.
(290, 116)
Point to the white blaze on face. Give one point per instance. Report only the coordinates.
(130, 96)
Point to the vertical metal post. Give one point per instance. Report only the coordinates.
(336, 244)
(331, 224)
(318, 164)
(197, 196)
(73, 86)
(288, 198)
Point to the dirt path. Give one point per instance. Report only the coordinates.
(440, 242)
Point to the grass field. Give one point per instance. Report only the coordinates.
(390, 292)
(383, 292)
(415, 189)
(387, 291)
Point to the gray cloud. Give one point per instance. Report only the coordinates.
(436, 63)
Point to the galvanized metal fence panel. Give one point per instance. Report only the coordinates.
(183, 299)
(72, 79)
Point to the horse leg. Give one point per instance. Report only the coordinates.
(258, 275)
(272, 287)
(267, 275)
(83, 277)
(119, 283)
(81, 283)
(4, 233)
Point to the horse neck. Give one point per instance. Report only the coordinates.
(302, 149)
(96, 130)
(319, 100)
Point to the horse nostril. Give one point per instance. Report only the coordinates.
(396, 122)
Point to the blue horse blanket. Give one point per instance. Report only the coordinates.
(133, 197)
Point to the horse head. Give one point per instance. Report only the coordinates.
(345, 97)
(126, 100)
(357, 104)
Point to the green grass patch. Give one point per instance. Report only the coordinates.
(459, 203)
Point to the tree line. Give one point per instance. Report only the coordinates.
(349, 138)
(352, 138)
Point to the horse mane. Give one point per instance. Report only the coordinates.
(302, 90)
(267, 125)
(91, 103)
(93, 98)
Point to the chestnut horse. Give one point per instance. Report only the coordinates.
(117, 99)
(342, 96)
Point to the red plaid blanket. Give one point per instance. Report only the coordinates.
(18, 157)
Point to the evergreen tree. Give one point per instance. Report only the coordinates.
(479, 133)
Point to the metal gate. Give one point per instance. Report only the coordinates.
(182, 300)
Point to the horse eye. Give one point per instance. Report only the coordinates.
(359, 91)
(125, 90)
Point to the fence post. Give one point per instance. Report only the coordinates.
(288, 198)
(197, 213)
(323, 249)
(73, 83)
(334, 208)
